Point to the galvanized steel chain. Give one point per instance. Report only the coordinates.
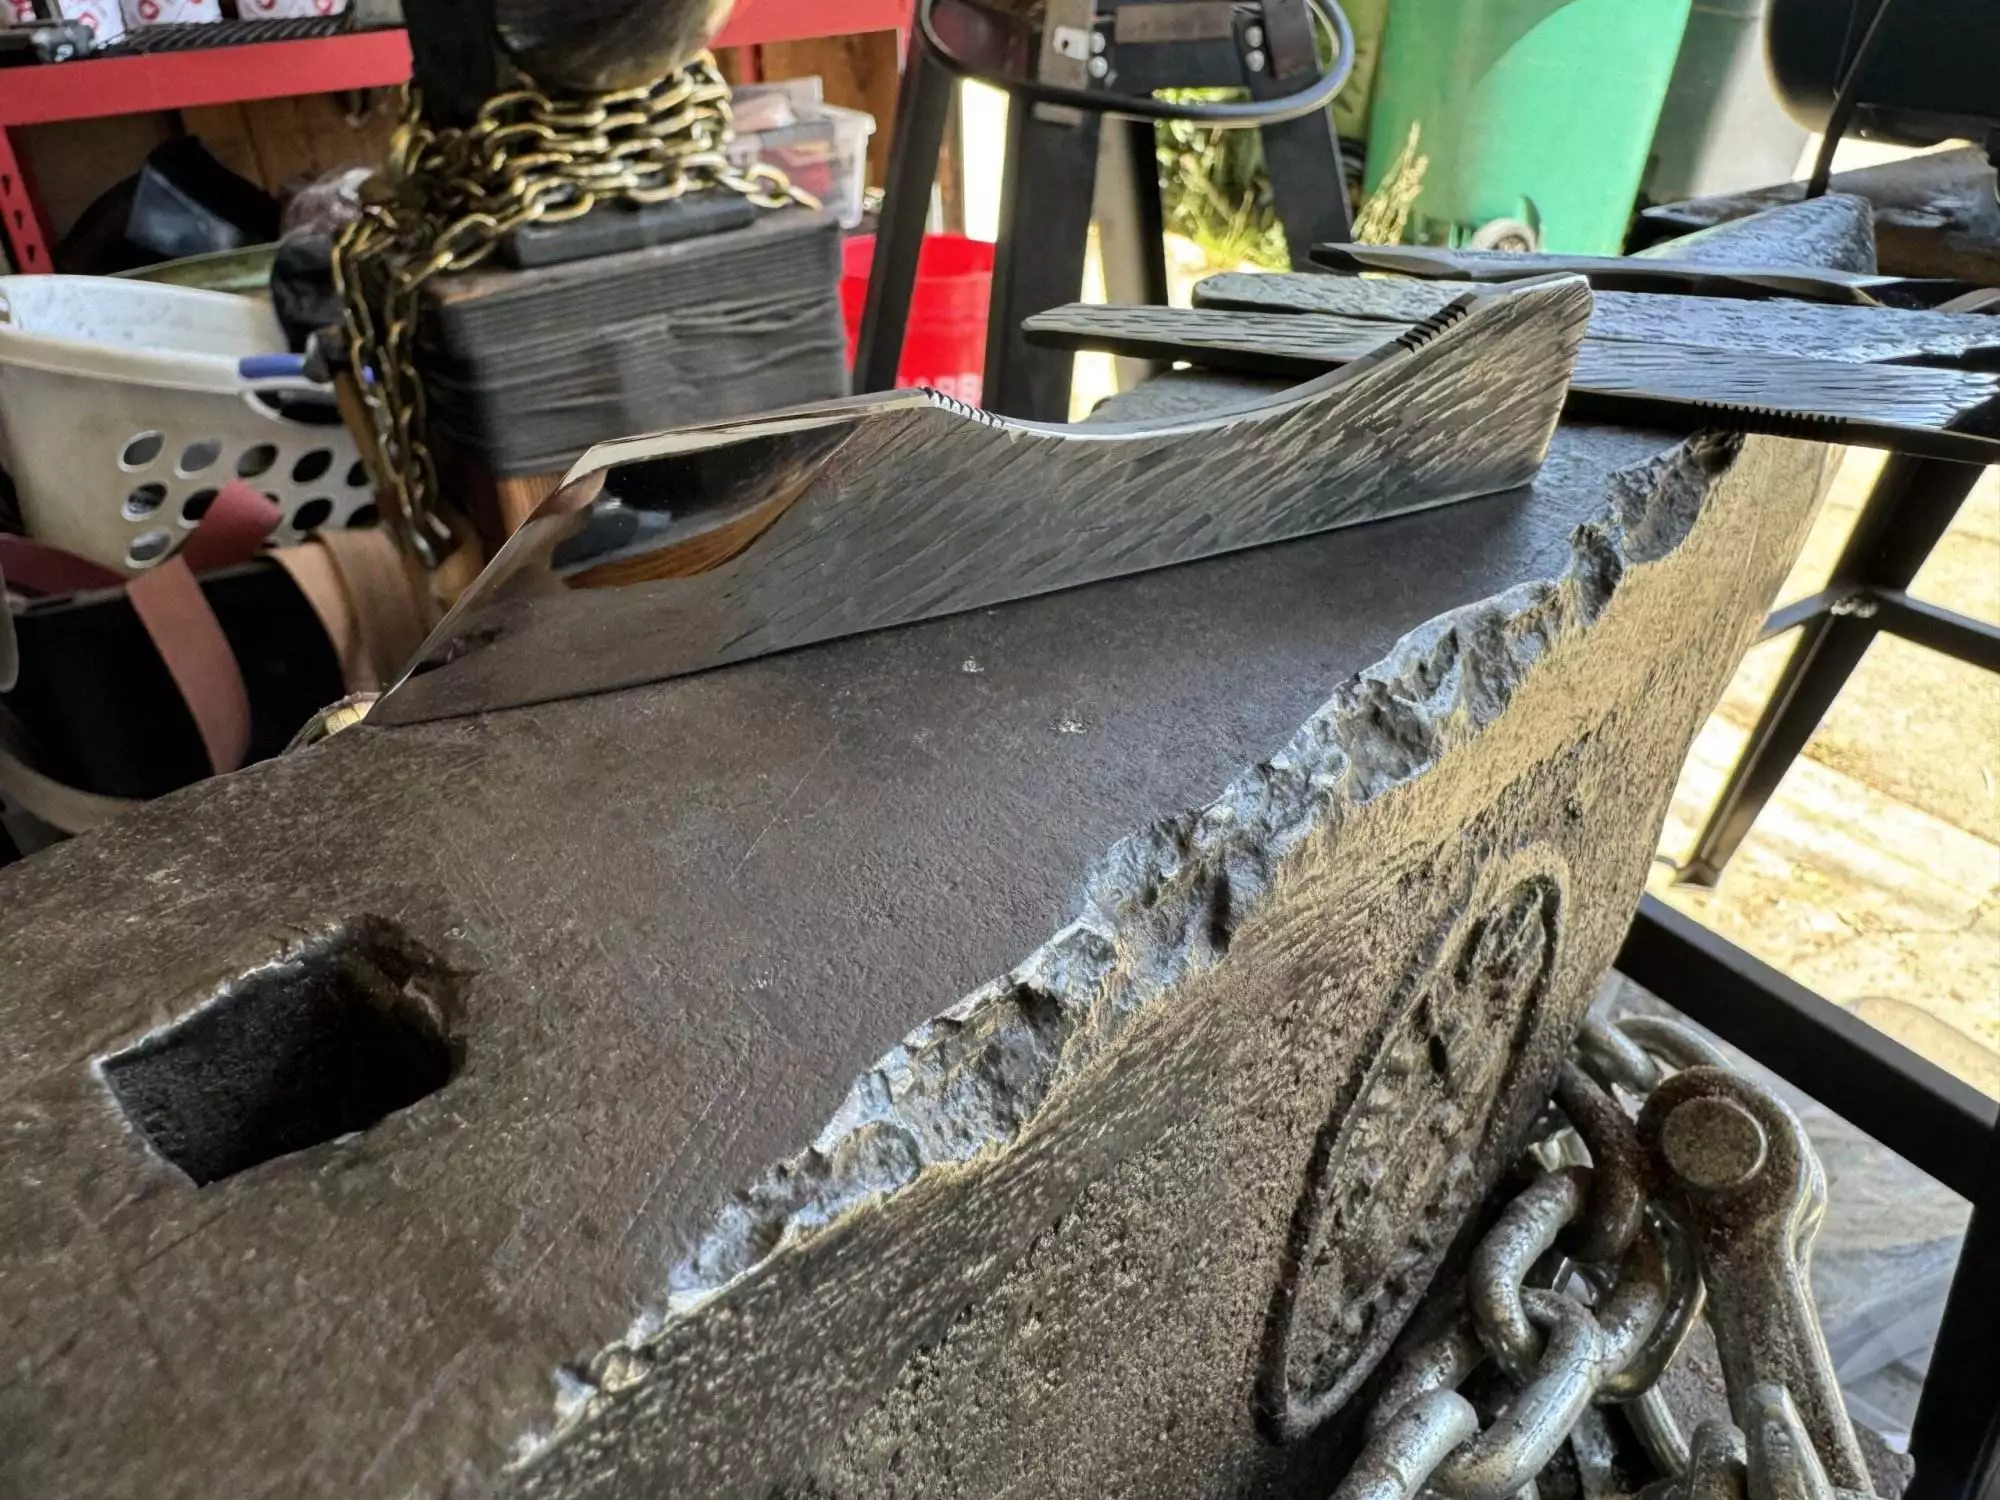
(1589, 1281)
(448, 196)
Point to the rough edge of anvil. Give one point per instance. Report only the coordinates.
(975, 1078)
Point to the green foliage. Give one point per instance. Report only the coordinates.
(1215, 190)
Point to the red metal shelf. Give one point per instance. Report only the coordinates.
(275, 70)
(357, 60)
(214, 75)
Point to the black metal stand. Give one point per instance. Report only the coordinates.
(1904, 519)
(1047, 195)
(1050, 182)
(1939, 1124)
(1942, 1126)
(1957, 1431)
(922, 108)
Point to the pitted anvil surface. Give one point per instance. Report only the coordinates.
(1259, 899)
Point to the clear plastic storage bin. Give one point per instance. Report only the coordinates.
(822, 147)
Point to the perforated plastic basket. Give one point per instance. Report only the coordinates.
(122, 412)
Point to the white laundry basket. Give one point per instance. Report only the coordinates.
(122, 412)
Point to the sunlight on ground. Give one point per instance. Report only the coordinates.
(1874, 874)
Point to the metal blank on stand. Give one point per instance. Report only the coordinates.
(1050, 180)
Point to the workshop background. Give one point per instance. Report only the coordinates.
(175, 150)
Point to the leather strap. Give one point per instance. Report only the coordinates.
(358, 585)
(170, 605)
(355, 581)
(175, 612)
(232, 529)
(42, 569)
(10, 649)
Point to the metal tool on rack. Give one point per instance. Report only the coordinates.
(1952, 415)
(1634, 274)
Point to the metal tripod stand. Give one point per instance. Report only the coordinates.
(1087, 70)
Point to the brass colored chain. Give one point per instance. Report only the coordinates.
(448, 196)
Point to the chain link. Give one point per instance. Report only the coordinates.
(447, 197)
(1582, 1293)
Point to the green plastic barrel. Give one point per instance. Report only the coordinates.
(1536, 115)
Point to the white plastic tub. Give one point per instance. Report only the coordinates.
(122, 412)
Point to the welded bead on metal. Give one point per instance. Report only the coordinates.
(1442, 1362)
(1524, 1232)
(1783, 1463)
(1615, 1060)
(1535, 1425)
(1620, 1176)
(1405, 1451)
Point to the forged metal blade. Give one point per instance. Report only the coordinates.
(1904, 408)
(1803, 330)
(670, 554)
(1630, 274)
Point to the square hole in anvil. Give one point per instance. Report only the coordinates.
(330, 1037)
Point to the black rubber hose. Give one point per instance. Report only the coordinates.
(1847, 99)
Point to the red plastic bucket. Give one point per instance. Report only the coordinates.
(945, 345)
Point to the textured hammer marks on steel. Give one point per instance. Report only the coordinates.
(1797, 330)
(1394, 1174)
(1296, 344)
(889, 510)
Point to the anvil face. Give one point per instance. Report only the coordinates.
(1036, 1051)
